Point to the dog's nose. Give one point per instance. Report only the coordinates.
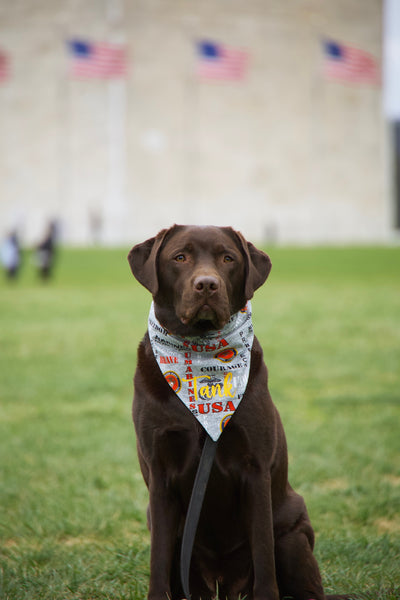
(206, 283)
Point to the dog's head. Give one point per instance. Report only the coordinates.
(198, 276)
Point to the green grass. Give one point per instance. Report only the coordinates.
(72, 501)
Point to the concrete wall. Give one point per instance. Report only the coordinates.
(283, 155)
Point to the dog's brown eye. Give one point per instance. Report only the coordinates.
(228, 258)
(180, 258)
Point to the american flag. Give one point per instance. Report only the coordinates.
(349, 64)
(97, 60)
(4, 66)
(216, 61)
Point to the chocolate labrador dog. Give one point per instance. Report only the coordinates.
(254, 539)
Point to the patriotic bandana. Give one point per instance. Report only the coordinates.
(209, 374)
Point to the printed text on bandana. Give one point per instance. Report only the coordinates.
(208, 374)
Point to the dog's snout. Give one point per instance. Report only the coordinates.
(206, 283)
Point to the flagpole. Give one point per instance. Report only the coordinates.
(189, 132)
(115, 206)
(64, 147)
(318, 88)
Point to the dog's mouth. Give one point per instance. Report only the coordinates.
(204, 318)
(206, 313)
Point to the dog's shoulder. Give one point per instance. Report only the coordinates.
(144, 350)
(148, 377)
(257, 365)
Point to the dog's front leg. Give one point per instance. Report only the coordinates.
(164, 518)
(260, 528)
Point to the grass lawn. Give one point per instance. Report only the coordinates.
(72, 500)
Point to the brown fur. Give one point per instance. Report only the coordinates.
(254, 537)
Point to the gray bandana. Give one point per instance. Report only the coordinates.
(209, 374)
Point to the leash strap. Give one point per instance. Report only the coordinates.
(193, 514)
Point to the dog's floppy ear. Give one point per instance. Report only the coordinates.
(143, 261)
(258, 266)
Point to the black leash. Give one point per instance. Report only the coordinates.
(193, 513)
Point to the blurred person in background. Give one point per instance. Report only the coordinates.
(46, 252)
(11, 255)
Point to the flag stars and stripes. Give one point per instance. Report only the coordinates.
(97, 60)
(217, 61)
(4, 66)
(345, 63)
